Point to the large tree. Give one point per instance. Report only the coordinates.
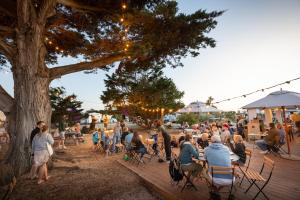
(141, 90)
(65, 106)
(34, 33)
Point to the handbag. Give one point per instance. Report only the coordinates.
(49, 149)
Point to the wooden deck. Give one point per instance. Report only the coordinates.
(284, 184)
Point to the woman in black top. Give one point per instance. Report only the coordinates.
(239, 149)
(137, 144)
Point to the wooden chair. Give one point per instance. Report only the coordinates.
(247, 164)
(254, 176)
(188, 182)
(218, 170)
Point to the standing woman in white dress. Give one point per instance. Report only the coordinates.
(41, 154)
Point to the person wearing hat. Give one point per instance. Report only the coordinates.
(225, 133)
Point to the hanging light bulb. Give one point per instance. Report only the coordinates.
(50, 42)
(46, 39)
(126, 30)
(124, 6)
(127, 45)
(61, 51)
(56, 48)
(122, 19)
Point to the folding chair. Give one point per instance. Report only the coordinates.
(135, 156)
(275, 148)
(254, 176)
(218, 170)
(188, 181)
(119, 148)
(161, 149)
(245, 167)
(100, 147)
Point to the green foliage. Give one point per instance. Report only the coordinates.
(190, 118)
(157, 33)
(63, 105)
(209, 101)
(203, 118)
(149, 89)
(231, 115)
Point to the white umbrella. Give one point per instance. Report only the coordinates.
(282, 99)
(277, 99)
(198, 107)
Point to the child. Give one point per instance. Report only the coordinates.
(95, 139)
(154, 136)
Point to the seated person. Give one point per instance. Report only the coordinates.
(238, 148)
(281, 134)
(103, 136)
(203, 141)
(124, 133)
(78, 136)
(95, 138)
(181, 139)
(218, 154)
(127, 140)
(269, 140)
(154, 136)
(137, 144)
(225, 134)
(240, 130)
(187, 152)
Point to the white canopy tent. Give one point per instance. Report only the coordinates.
(277, 100)
(198, 107)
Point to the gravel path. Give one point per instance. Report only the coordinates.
(80, 173)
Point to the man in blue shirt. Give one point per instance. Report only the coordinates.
(217, 154)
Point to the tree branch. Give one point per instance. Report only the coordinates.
(8, 7)
(46, 9)
(98, 63)
(6, 29)
(76, 5)
(6, 50)
(6, 101)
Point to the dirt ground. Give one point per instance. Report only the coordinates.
(80, 173)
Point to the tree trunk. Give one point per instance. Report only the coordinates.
(31, 105)
(31, 87)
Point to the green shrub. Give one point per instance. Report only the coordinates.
(190, 118)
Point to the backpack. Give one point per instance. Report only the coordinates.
(174, 170)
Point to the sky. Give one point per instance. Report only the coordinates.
(258, 45)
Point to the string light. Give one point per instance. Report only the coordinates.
(262, 90)
(50, 42)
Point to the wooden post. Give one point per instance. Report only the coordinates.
(286, 130)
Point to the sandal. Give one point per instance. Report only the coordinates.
(40, 182)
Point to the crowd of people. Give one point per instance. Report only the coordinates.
(216, 141)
